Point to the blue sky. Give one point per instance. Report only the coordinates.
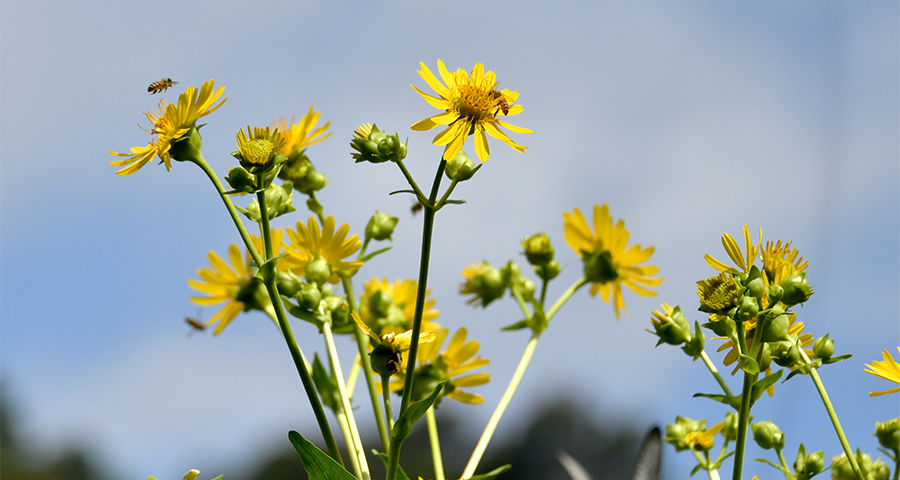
(689, 118)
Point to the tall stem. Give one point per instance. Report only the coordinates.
(744, 412)
(299, 360)
(435, 445)
(427, 228)
(354, 442)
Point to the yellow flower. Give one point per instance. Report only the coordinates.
(703, 440)
(719, 292)
(386, 307)
(470, 104)
(171, 123)
(484, 282)
(608, 264)
(309, 243)
(888, 369)
(448, 366)
(301, 135)
(734, 251)
(258, 146)
(387, 356)
(781, 261)
(235, 285)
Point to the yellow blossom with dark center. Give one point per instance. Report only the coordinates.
(396, 344)
(888, 369)
(170, 124)
(719, 292)
(309, 243)
(471, 104)
(608, 244)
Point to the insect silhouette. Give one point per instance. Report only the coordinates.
(416, 208)
(161, 85)
(196, 325)
(502, 105)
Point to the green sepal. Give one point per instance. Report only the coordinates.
(748, 364)
(376, 252)
(837, 359)
(325, 385)
(761, 385)
(696, 469)
(779, 467)
(493, 473)
(278, 202)
(319, 466)
(409, 417)
(538, 320)
(516, 326)
(401, 475)
(733, 402)
(300, 313)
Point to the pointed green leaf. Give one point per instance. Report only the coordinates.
(761, 385)
(516, 326)
(401, 475)
(734, 402)
(493, 473)
(748, 364)
(413, 413)
(325, 385)
(319, 466)
(377, 252)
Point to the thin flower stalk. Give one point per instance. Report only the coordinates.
(715, 373)
(436, 458)
(744, 412)
(386, 393)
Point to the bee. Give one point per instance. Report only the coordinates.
(416, 208)
(196, 325)
(498, 96)
(161, 85)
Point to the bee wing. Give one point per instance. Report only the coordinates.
(650, 458)
(575, 470)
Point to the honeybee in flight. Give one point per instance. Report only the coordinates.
(195, 324)
(416, 208)
(161, 85)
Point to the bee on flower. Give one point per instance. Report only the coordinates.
(388, 355)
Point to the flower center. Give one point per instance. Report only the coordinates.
(258, 151)
(477, 102)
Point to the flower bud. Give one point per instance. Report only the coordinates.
(191, 474)
(677, 432)
(187, 147)
(538, 249)
(381, 226)
(672, 328)
(808, 465)
(824, 347)
(318, 271)
(288, 283)
(747, 309)
(730, 427)
(240, 180)
(599, 267)
(796, 290)
(309, 296)
(888, 434)
(385, 361)
(340, 316)
(694, 346)
(756, 286)
(775, 293)
(379, 303)
(785, 353)
(461, 168)
(767, 435)
(524, 288)
(510, 273)
(253, 294)
(278, 202)
(391, 148)
(777, 329)
(548, 271)
(485, 282)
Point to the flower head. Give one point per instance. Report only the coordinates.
(258, 146)
(171, 124)
(609, 262)
(301, 135)
(471, 103)
(485, 282)
(718, 293)
(235, 285)
(888, 369)
(744, 260)
(449, 365)
(781, 261)
(311, 247)
(390, 307)
(388, 356)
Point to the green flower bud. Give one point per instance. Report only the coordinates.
(288, 283)
(673, 329)
(485, 282)
(524, 288)
(880, 470)
(427, 379)
(888, 434)
(767, 435)
(775, 293)
(379, 303)
(824, 347)
(776, 330)
(318, 271)
(340, 316)
(694, 346)
(747, 309)
(548, 271)
(253, 294)
(756, 286)
(730, 426)
(765, 360)
(599, 266)
(187, 147)
(676, 433)
(278, 203)
(538, 249)
(311, 182)
(724, 327)
(796, 290)
(309, 296)
(381, 226)
(510, 273)
(240, 180)
(385, 361)
(808, 465)
(461, 168)
(191, 474)
(785, 353)
(391, 148)
(877, 470)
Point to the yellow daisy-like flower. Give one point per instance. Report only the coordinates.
(301, 135)
(719, 292)
(449, 365)
(888, 369)
(703, 441)
(470, 104)
(781, 261)
(235, 285)
(308, 242)
(391, 347)
(390, 307)
(258, 146)
(170, 124)
(742, 260)
(609, 262)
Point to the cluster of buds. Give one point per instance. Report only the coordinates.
(316, 303)
(372, 145)
(871, 469)
(539, 253)
(279, 199)
(489, 283)
(672, 327)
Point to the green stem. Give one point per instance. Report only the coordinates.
(501, 407)
(386, 393)
(565, 297)
(744, 412)
(354, 442)
(427, 230)
(435, 445)
(409, 178)
(443, 200)
(897, 464)
(344, 425)
(851, 457)
(784, 464)
(297, 355)
(362, 344)
(715, 373)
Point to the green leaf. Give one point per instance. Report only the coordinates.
(403, 191)
(761, 385)
(325, 384)
(319, 466)
(377, 252)
(748, 364)
(733, 402)
(401, 475)
(493, 473)
(413, 413)
(837, 358)
(516, 326)
(300, 313)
